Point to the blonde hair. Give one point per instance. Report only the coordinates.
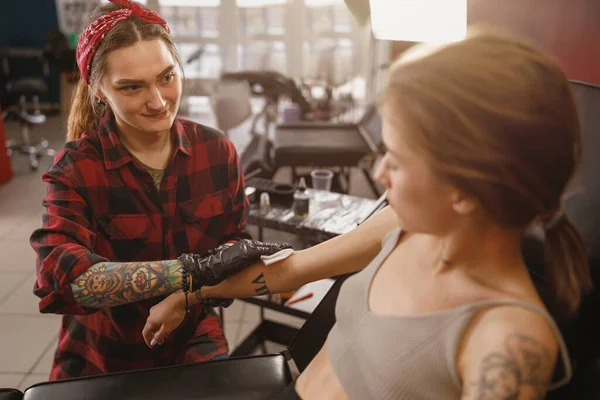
(497, 119)
(86, 110)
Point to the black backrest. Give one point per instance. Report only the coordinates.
(584, 208)
(583, 333)
(311, 338)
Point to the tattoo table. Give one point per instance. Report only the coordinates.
(338, 215)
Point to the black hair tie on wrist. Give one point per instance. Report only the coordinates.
(186, 287)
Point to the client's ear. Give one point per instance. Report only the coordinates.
(463, 205)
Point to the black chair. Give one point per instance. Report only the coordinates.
(584, 210)
(247, 378)
(10, 394)
(16, 92)
(325, 144)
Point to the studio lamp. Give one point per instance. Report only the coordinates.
(431, 21)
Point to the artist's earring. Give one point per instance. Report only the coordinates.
(100, 101)
(457, 207)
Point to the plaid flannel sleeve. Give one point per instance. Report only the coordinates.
(236, 225)
(63, 245)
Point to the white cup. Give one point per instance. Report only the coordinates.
(321, 179)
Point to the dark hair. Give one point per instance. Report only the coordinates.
(86, 110)
(497, 119)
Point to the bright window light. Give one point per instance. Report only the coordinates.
(432, 21)
(189, 3)
(317, 3)
(259, 3)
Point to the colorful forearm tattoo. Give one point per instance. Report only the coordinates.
(109, 284)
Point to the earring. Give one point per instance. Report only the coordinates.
(457, 208)
(100, 102)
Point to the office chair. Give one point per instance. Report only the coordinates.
(16, 92)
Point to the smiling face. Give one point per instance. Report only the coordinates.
(142, 86)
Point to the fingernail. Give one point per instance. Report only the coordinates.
(153, 342)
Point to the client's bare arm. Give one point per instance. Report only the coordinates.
(341, 255)
(344, 254)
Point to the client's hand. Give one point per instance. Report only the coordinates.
(164, 318)
(167, 315)
(224, 261)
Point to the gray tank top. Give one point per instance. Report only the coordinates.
(404, 357)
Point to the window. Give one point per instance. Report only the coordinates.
(330, 42)
(263, 55)
(190, 20)
(328, 16)
(299, 38)
(195, 28)
(261, 20)
(207, 61)
(329, 59)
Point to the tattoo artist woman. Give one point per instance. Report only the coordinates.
(135, 184)
(482, 138)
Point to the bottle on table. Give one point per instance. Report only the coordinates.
(301, 201)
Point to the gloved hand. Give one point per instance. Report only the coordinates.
(211, 269)
(218, 249)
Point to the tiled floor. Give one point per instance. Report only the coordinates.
(28, 338)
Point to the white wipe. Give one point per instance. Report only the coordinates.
(280, 255)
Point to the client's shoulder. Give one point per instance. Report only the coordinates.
(511, 347)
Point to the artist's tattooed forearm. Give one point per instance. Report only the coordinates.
(112, 284)
(260, 285)
(525, 366)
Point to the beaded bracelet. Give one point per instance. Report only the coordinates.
(186, 288)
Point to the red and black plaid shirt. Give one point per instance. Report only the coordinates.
(102, 205)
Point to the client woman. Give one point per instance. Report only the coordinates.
(482, 140)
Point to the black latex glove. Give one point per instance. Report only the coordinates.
(217, 249)
(218, 302)
(211, 269)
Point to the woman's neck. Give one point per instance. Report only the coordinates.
(150, 148)
(479, 251)
(144, 142)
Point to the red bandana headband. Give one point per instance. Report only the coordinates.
(92, 35)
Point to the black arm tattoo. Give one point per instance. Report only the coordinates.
(112, 284)
(262, 285)
(524, 363)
